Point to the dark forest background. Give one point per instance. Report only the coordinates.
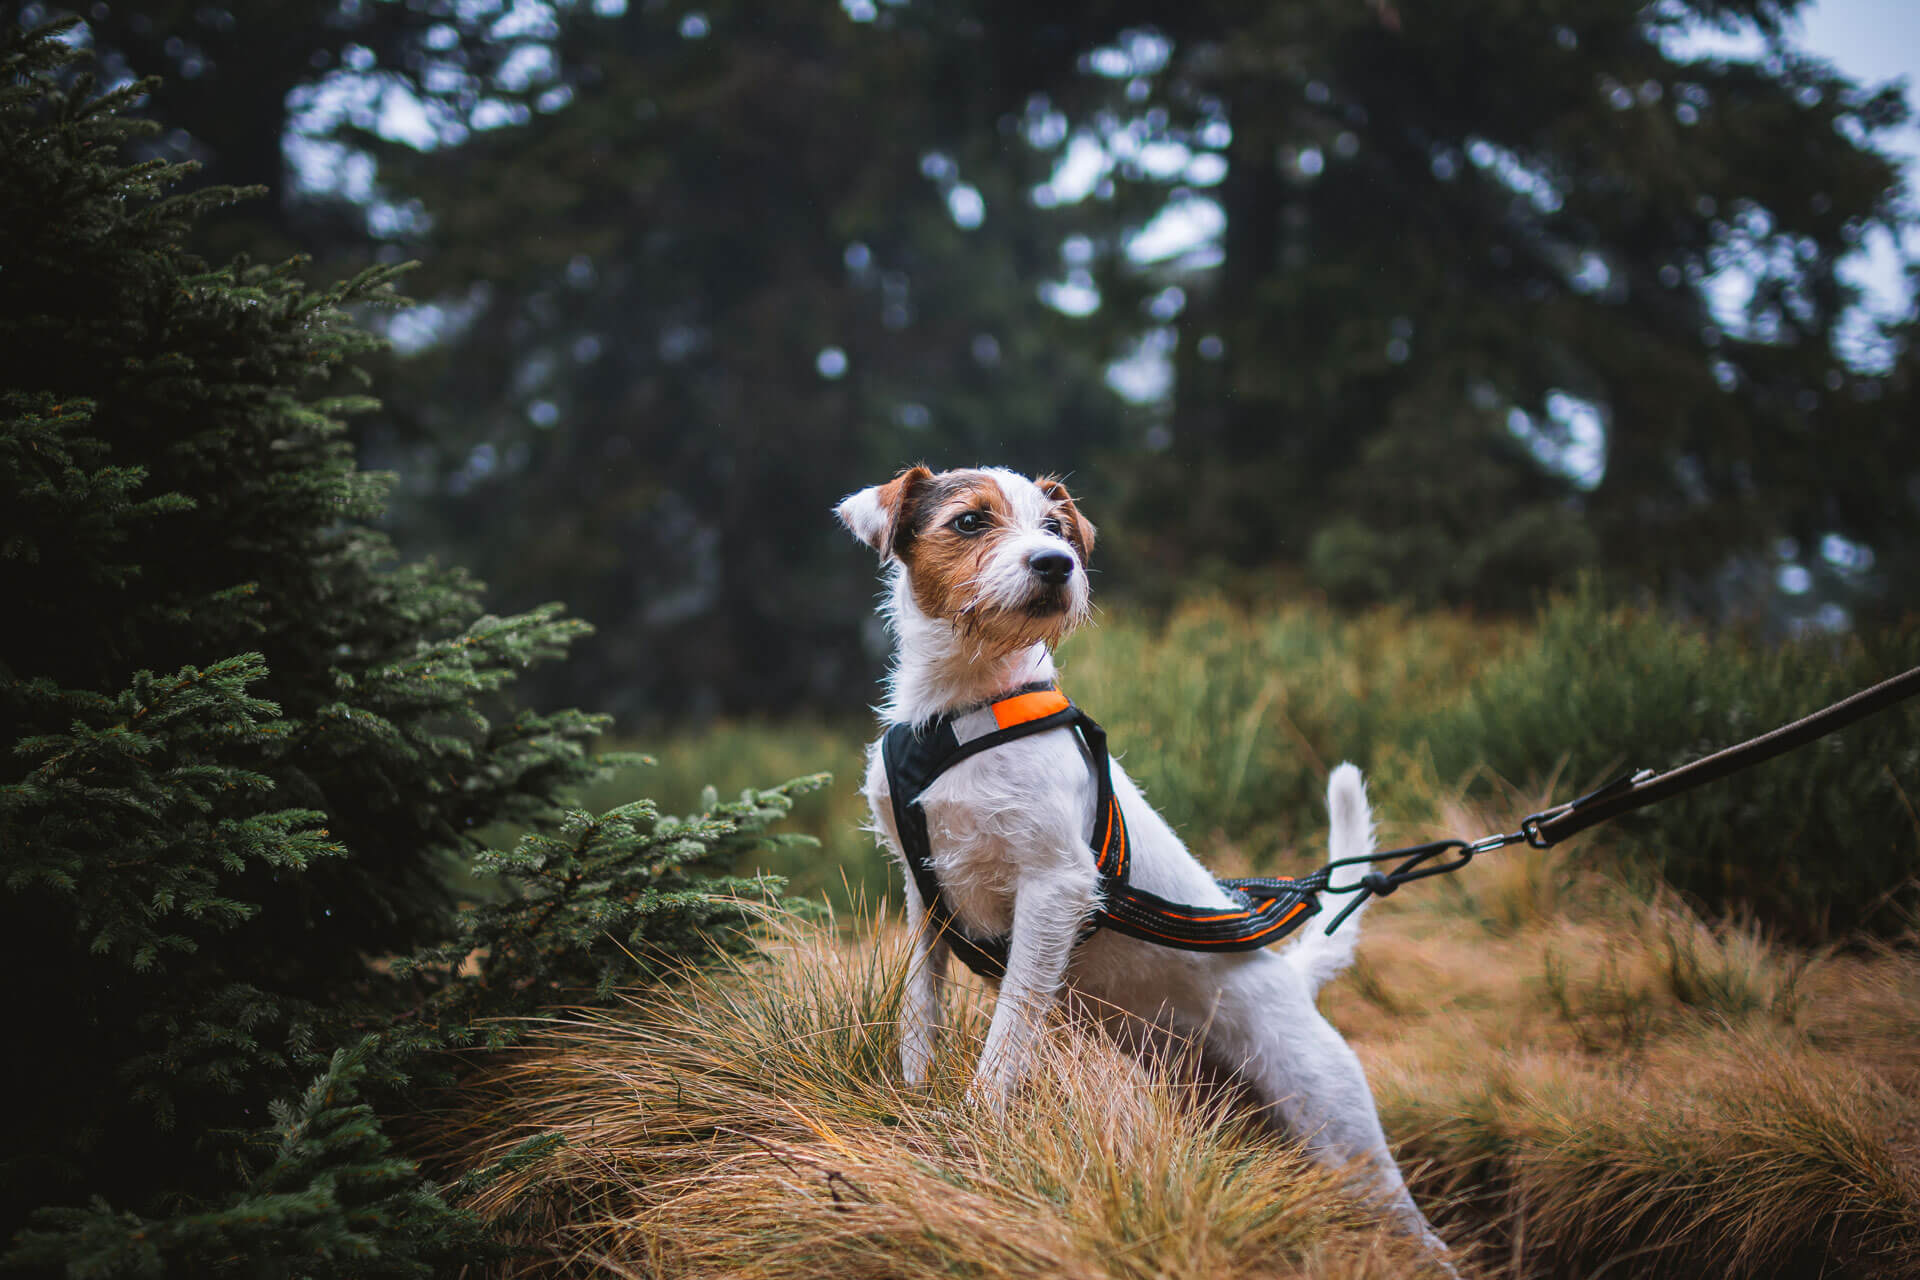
(1435, 304)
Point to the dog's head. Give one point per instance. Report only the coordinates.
(998, 556)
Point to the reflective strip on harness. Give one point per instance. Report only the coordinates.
(1144, 915)
(1268, 907)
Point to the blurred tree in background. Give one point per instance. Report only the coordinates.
(1499, 294)
(715, 292)
(1423, 305)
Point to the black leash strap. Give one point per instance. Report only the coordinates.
(1623, 795)
(1629, 791)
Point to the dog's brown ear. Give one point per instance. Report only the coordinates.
(1079, 529)
(882, 516)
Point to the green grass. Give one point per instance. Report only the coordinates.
(1229, 720)
(1818, 844)
(750, 1123)
(731, 757)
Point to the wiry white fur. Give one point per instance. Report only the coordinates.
(1010, 829)
(1318, 956)
(864, 517)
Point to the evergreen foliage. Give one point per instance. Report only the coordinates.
(332, 1198)
(602, 901)
(245, 747)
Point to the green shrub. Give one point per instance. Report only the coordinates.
(1816, 844)
(1230, 720)
(331, 1198)
(241, 748)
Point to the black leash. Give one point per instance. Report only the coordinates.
(1632, 790)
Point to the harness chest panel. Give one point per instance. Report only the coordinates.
(1266, 908)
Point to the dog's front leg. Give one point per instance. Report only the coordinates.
(1048, 910)
(920, 1000)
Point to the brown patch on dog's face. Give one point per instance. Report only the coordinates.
(967, 544)
(959, 519)
(1074, 527)
(899, 498)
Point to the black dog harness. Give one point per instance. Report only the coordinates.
(1266, 909)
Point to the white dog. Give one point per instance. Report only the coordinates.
(988, 570)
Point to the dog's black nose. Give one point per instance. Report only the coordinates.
(1054, 567)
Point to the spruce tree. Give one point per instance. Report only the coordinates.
(331, 1198)
(244, 746)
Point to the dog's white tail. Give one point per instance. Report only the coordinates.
(1317, 956)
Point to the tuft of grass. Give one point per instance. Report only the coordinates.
(1725, 968)
(750, 1123)
(1659, 962)
(1612, 1085)
(1753, 1160)
(1866, 1007)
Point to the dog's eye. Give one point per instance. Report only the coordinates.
(968, 522)
(1053, 526)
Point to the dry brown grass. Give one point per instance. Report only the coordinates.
(1578, 1084)
(1606, 1085)
(750, 1124)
